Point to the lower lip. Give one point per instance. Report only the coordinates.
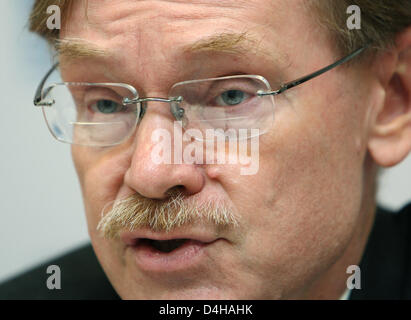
(188, 255)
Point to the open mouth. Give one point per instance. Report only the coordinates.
(178, 253)
(164, 246)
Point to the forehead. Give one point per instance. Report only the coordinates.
(183, 12)
(177, 37)
(175, 22)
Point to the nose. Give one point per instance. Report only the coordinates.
(154, 179)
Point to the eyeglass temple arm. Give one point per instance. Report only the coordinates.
(301, 80)
(37, 95)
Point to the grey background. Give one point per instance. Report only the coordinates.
(41, 207)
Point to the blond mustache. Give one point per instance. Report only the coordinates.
(137, 212)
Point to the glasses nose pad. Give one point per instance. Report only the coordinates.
(178, 112)
(143, 108)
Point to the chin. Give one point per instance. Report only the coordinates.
(184, 294)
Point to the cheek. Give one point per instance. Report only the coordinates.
(101, 174)
(319, 160)
(303, 204)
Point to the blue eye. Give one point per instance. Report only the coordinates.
(107, 106)
(232, 97)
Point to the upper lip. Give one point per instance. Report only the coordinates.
(131, 237)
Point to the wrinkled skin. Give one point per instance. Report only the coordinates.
(306, 214)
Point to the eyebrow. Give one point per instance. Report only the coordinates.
(78, 48)
(222, 42)
(236, 44)
(226, 42)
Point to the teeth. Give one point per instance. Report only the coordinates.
(167, 245)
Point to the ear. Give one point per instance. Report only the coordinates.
(390, 137)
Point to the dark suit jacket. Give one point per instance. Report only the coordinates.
(385, 268)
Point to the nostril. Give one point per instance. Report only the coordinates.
(178, 189)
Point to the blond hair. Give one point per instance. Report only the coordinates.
(381, 21)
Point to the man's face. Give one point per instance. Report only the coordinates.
(297, 214)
